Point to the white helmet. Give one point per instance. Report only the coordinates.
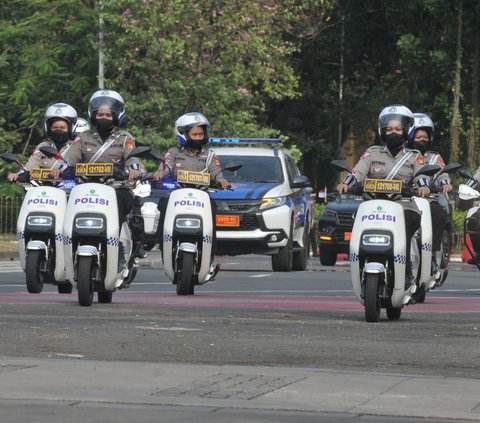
(423, 121)
(107, 98)
(399, 113)
(188, 121)
(61, 111)
(81, 126)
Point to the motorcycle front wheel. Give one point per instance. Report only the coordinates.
(85, 269)
(185, 282)
(372, 297)
(34, 270)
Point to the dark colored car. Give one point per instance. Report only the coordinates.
(335, 227)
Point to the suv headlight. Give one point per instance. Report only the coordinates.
(268, 203)
(89, 223)
(39, 220)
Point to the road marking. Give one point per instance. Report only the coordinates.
(69, 355)
(167, 329)
(263, 275)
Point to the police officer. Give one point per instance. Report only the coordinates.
(60, 120)
(106, 143)
(422, 141)
(191, 130)
(393, 161)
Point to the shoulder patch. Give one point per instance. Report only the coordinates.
(365, 155)
(216, 160)
(129, 144)
(440, 161)
(420, 160)
(76, 139)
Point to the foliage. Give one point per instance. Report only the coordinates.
(458, 217)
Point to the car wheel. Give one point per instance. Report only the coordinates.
(300, 258)
(327, 257)
(283, 260)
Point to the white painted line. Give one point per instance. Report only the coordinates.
(263, 275)
(70, 355)
(167, 329)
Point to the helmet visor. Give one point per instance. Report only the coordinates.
(115, 106)
(395, 120)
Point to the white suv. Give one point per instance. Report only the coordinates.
(267, 212)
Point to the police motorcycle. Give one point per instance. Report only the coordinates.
(470, 195)
(378, 247)
(443, 257)
(188, 231)
(39, 228)
(100, 255)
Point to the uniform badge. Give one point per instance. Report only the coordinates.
(129, 144)
(178, 164)
(420, 160)
(88, 150)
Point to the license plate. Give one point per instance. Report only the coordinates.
(227, 220)
(347, 236)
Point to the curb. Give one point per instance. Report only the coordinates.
(9, 256)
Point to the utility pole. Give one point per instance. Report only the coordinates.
(101, 46)
(340, 85)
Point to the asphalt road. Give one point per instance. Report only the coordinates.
(249, 316)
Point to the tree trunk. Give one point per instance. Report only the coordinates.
(455, 122)
(472, 138)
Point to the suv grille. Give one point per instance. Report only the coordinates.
(346, 218)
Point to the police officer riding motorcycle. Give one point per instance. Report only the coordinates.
(393, 160)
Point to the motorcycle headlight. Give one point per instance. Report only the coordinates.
(380, 240)
(40, 220)
(268, 203)
(89, 223)
(188, 223)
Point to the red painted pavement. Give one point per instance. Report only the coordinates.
(270, 302)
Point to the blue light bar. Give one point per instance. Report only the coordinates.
(244, 140)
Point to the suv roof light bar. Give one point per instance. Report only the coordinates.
(244, 140)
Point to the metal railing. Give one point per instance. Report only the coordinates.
(9, 210)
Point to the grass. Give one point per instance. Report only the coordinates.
(8, 242)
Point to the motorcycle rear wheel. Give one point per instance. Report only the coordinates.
(372, 298)
(185, 282)
(84, 280)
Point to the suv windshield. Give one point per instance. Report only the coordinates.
(254, 169)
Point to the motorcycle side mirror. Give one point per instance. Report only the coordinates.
(465, 173)
(50, 151)
(428, 170)
(140, 151)
(232, 166)
(156, 155)
(340, 165)
(9, 157)
(451, 168)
